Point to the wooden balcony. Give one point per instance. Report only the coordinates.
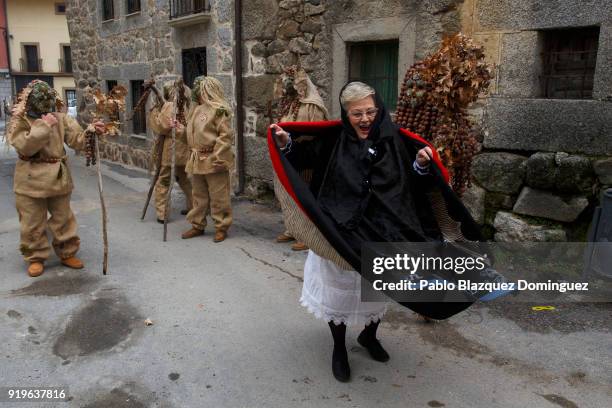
(185, 13)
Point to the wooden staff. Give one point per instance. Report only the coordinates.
(168, 206)
(106, 105)
(103, 207)
(158, 165)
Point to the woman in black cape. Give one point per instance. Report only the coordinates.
(370, 182)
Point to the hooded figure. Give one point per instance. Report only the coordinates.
(298, 101)
(160, 121)
(42, 181)
(371, 182)
(210, 138)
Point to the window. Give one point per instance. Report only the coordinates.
(110, 84)
(375, 63)
(31, 62)
(71, 102)
(194, 64)
(569, 60)
(60, 8)
(133, 6)
(108, 10)
(140, 120)
(181, 8)
(66, 65)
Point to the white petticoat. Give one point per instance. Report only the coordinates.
(334, 294)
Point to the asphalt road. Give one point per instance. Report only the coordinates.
(228, 330)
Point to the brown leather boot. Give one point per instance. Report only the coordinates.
(299, 246)
(282, 238)
(193, 232)
(73, 262)
(36, 269)
(220, 236)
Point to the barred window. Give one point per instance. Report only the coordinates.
(32, 62)
(194, 64)
(569, 60)
(108, 10)
(60, 8)
(375, 63)
(67, 58)
(181, 8)
(110, 84)
(140, 118)
(133, 6)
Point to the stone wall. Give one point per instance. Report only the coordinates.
(315, 34)
(545, 161)
(138, 46)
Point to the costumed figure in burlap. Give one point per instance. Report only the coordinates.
(210, 138)
(42, 181)
(160, 121)
(298, 101)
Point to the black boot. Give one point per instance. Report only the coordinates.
(368, 339)
(340, 364)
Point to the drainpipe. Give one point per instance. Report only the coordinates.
(239, 101)
(8, 46)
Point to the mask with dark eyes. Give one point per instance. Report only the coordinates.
(289, 86)
(42, 99)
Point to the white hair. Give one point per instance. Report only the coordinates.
(355, 91)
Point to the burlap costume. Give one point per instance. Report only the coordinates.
(42, 181)
(305, 106)
(210, 137)
(159, 122)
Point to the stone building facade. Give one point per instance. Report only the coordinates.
(545, 158)
(547, 147)
(113, 44)
(317, 35)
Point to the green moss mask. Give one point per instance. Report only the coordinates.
(41, 100)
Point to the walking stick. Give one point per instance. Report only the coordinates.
(109, 105)
(149, 87)
(173, 147)
(103, 206)
(158, 164)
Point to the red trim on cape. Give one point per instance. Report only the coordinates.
(305, 127)
(280, 171)
(436, 157)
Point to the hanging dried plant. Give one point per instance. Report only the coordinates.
(107, 109)
(434, 97)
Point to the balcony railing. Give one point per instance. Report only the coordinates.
(30, 66)
(65, 66)
(185, 8)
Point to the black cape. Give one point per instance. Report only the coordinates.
(367, 190)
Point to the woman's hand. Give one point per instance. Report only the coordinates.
(281, 135)
(424, 156)
(100, 128)
(49, 119)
